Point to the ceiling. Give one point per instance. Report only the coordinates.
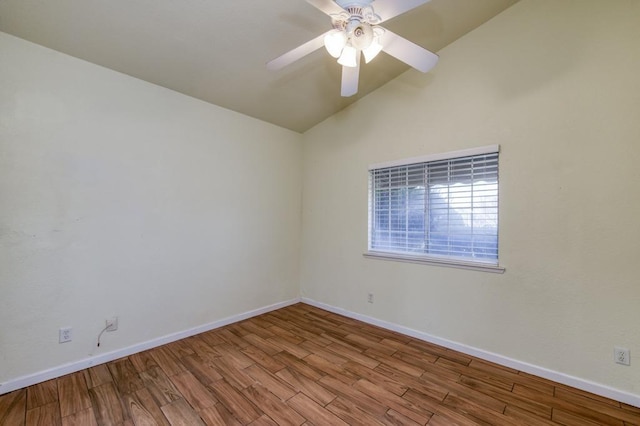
(216, 50)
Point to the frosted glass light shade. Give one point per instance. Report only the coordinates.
(334, 42)
(372, 51)
(349, 57)
(362, 36)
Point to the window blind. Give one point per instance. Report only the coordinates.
(446, 208)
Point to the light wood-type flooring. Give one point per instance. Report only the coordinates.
(304, 366)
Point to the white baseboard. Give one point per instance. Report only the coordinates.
(565, 379)
(72, 367)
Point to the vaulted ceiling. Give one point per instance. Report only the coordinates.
(216, 50)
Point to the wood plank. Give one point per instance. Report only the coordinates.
(107, 406)
(159, 386)
(351, 413)
(167, 361)
(298, 365)
(285, 334)
(263, 420)
(42, 394)
(465, 406)
(253, 327)
(348, 393)
(303, 384)
(230, 337)
(601, 405)
(479, 374)
(98, 375)
(234, 376)
(395, 363)
(235, 401)
(330, 369)
(196, 394)
(272, 406)
(275, 385)
(560, 404)
(180, 348)
(201, 349)
(234, 356)
(447, 417)
(201, 369)
(509, 398)
(352, 355)
(391, 400)
(262, 358)
(218, 415)
(370, 344)
(440, 352)
(392, 417)
(44, 415)
(212, 338)
(426, 385)
(526, 417)
(125, 376)
(571, 419)
(289, 347)
(179, 413)
(145, 400)
(81, 418)
(320, 351)
(139, 413)
(374, 377)
(73, 395)
(263, 344)
(143, 361)
(310, 409)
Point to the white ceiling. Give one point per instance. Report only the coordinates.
(216, 50)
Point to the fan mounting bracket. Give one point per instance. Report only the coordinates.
(346, 4)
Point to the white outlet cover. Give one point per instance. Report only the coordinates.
(112, 324)
(65, 334)
(621, 356)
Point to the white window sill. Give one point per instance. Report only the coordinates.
(449, 263)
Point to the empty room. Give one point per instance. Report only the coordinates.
(313, 212)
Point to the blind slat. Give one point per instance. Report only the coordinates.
(443, 207)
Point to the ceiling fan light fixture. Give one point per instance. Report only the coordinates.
(362, 36)
(334, 42)
(349, 57)
(372, 51)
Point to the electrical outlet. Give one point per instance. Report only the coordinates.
(621, 356)
(65, 334)
(111, 324)
(370, 298)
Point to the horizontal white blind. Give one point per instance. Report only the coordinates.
(445, 208)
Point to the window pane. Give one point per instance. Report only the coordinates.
(443, 208)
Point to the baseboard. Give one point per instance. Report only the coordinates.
(565, 379)
(72, 367)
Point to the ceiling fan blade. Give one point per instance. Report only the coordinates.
(297, 53)
(388, 9)
(408, 52)
(327, 6)
(350, 78)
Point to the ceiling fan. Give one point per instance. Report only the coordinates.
(356, 30)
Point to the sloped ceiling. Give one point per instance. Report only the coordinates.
(216, 50)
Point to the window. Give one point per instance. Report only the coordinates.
(439, 209)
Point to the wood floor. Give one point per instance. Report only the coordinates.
(304, 366)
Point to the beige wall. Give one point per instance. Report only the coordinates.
(118, 197)
(555, 83)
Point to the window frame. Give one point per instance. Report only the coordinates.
(427, 258)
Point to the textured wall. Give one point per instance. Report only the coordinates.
(118, 197)
(555, 83)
